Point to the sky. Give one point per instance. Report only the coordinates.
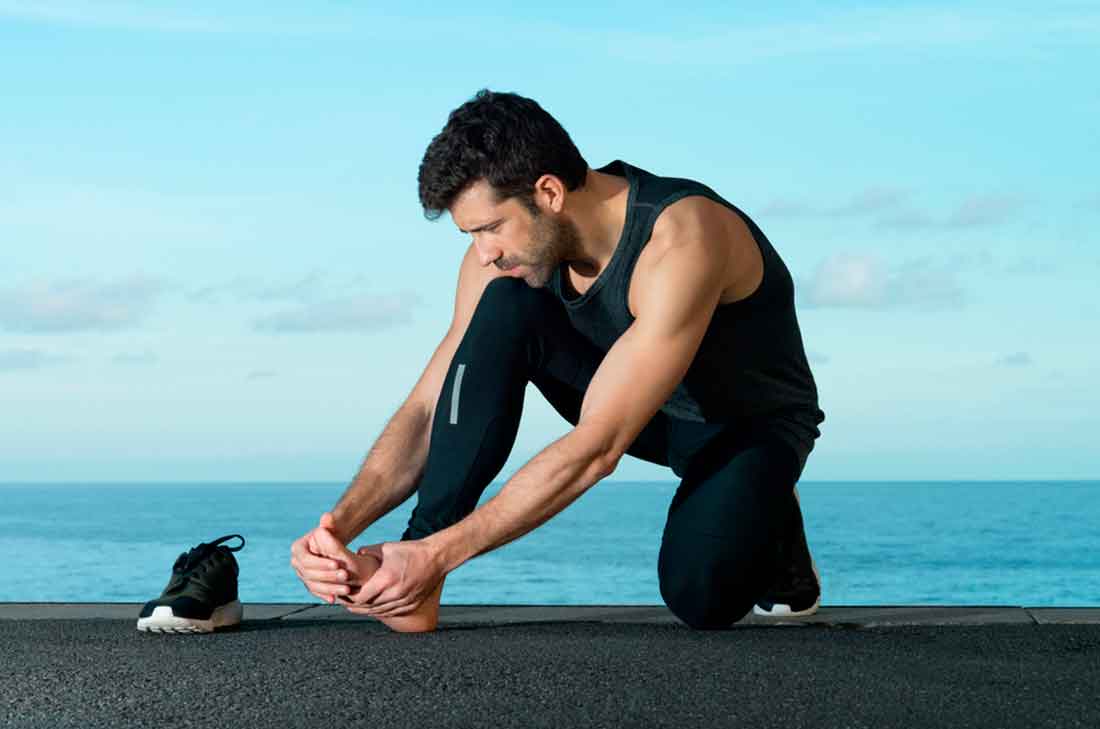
(214, 266)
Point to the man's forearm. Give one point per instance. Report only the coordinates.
(548, 483)
(389, 474)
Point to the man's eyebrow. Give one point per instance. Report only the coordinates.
(480, 228)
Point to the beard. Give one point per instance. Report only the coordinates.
(553, 240)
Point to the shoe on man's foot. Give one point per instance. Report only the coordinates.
(202, 594)
(796, 589)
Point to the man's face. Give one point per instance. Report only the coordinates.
(509, 236)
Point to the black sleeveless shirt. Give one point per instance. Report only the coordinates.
(751, 364)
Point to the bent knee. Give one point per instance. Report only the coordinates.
(701, 609)
(508, 295)
(707, 593)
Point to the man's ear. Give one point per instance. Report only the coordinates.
(550, 193)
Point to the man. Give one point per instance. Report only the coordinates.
(654, 316)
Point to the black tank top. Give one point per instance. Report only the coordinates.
(751, 364)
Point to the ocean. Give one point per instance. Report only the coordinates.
(1032, 543)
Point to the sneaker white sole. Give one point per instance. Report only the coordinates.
(164, 621)
(780, 610)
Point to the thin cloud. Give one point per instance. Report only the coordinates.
(242, 288)
(1031, 266)
(976, 211)
(865, 281)
(1016, 359)
(1090, 203)
(690, 43)
(352, 314)
(74, 305)
(898, 28)
(156, 17)
(908, 220)
(29, 359)
(981, 260)
(817, 357)
(787, 208)
(872, 201)
(260, 374)
(984, 210)
(135, 358)
(888, 206)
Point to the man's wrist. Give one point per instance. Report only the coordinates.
(447, 548)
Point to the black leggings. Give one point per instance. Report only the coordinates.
(736, 493)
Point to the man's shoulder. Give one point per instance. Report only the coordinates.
(694, 219)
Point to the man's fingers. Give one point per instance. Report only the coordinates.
(329, 545)
(309, 562)
(328, 589)
(302, 558)
(334, 577)
(374, 589)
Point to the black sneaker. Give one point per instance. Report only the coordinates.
(796, 590)
(202, 594)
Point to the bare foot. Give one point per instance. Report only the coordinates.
(424, 619)
(361, 566)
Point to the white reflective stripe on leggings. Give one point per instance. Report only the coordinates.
(454, 394)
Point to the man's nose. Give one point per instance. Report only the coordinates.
(487, 254)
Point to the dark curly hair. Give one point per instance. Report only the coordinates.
(504, 138)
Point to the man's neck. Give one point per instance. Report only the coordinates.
(598, 209)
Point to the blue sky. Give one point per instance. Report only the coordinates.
(213, 264)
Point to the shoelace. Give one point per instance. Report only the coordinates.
(195, 558)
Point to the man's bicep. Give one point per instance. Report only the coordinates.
(635, 378)
(644, 366)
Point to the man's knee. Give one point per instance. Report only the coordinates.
(707, 592)
(508, 300)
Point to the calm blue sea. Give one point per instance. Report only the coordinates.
(884, 543)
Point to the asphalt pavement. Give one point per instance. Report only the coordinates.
(554, 666)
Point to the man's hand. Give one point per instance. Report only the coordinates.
(323, 575)
(410, 573)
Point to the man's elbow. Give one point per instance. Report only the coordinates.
(600, 449)
(609, 463)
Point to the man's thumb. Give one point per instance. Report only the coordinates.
(328, 543)
(328, 521)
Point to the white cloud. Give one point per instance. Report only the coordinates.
(260, 374)
(29, 359)
(79, 305)
(817, 357)
(849, 280)
(865, 281)
(362, 313)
